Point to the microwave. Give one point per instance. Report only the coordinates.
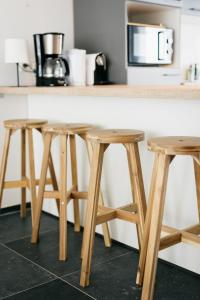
(149, 44)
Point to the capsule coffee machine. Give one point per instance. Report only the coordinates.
(51, 68)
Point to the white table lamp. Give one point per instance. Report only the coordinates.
(16, 51)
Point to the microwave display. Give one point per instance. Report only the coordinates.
(149, 45)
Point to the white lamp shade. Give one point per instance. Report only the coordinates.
(16, 51)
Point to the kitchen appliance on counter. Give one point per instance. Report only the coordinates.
(76, 59)
(51, 68)
(96, 69)
(149, 44)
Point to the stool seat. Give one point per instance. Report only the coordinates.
(173, 145)
(24, 123)
(67, 128)
(107, 136)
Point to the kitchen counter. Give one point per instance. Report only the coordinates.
(157, 110)
(190, 91)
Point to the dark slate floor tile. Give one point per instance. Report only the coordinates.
(17, 273)
(12, 227)
(177, 283)
(116, 280)
(45, 253)
(56, 289)
(112, 280)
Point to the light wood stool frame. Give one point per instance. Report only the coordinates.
(152, 241)
(25, 182)
(62, 193)
(98, 213)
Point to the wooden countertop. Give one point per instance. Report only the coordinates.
(190, 91)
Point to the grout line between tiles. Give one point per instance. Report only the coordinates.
(26, 236)
(5, 246)
(77, 288)
(101, 263)
(25, 290)
(56, 276)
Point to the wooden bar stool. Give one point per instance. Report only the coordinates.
(26, 127)
(64, 132)
(166, 148)
(134, 212)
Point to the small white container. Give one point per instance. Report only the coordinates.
(77, 66)
(90, 68)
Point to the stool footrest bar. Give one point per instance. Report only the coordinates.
(170, 240)
(190, 238)
(22, 183)
(105, 214)
(79, 195)
(13, 184)
(126, 213)
(175, 236)
(52, 194)
(195, 229)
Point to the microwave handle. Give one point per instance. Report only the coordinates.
(161, 45)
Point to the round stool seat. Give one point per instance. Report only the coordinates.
(67, 128)
(24, 123)
(116, 136)
(173, 145)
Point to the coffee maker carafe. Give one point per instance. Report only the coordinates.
(51, 68)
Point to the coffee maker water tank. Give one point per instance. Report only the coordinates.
(53, 43)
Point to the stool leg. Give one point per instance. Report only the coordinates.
(92, 207)
(23, 173)
(32, 185)
(142, 259)
(105, 228)
(54, 179)
(74, 181)
(197, 180)
(38, 210)
(155, 227)
(4, 161)
(52, 173)
(63, 198)
(137, 186)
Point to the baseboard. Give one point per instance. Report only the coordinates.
(12, 209)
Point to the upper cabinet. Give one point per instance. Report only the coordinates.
(191, 7)
(176, 3)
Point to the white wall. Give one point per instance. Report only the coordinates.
(155, 117)
(190, 41)
(12, 107)
(23, 18)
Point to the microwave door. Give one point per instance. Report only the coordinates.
(143, 45)
(161, 46)
(137, 47)
(152, 45)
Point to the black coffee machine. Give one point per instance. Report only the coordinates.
(51, 68)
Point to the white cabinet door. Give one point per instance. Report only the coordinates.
(153, 76)
(191, 7)
(176, 3)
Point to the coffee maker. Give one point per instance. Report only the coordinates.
(51, 68)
